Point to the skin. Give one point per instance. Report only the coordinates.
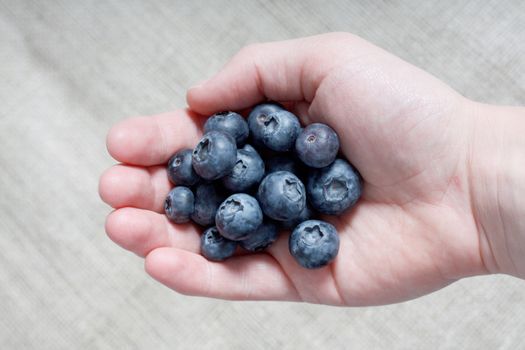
(443, 178)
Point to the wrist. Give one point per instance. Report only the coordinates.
(497, 180)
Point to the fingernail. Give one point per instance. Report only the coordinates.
(198, 84)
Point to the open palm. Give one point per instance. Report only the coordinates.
(408, 134)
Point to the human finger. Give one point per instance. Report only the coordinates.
(154, 139)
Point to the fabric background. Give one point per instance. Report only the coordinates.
(71, 69)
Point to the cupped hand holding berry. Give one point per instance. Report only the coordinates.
(419, 224)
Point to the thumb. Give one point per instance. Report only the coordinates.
(281, 71)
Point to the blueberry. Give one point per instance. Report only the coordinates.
(277, 130)
(306, 214)
(180, 169)
(258, 112)
(261, 238)
(207, 201)
(238, 216)
(317, 145)
(229, 122)
(179, 204)
(216, 247)
(265, 109)
(314, 244)
(334, 188)
(282, 196)
(284, 162)
(215, 155)
(247, 172)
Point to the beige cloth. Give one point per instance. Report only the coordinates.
(70, 69)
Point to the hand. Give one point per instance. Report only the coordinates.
(409, 135)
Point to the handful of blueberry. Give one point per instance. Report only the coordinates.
(245, 194)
